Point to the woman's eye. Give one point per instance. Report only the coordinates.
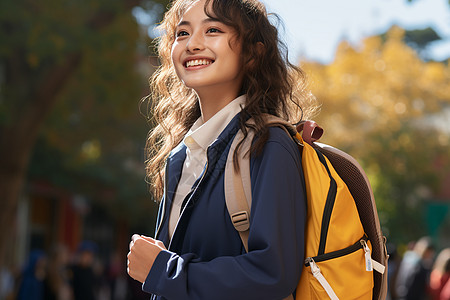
(182, 33)
(213, 30)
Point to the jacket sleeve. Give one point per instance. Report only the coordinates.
(271, 269)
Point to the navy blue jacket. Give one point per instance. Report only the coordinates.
(206, 258)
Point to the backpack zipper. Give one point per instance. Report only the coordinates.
(329, 204)
(338, 253)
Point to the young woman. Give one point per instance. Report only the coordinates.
(221, 64)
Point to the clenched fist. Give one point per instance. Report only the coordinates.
(142, 255)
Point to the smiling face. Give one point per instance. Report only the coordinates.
(206, 55)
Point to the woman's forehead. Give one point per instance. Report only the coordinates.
(196, 7)
(190, 4)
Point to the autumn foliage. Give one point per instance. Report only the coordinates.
(389, 108)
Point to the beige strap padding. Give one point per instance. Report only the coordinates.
(237, 184)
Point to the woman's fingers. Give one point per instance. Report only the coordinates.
(153, 241)
(143, 252)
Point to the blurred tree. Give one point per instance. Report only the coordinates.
(79, 60)
(419, 39)
(379, 101)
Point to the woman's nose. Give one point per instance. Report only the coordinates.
(196, 42)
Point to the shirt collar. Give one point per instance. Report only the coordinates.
(204, 134)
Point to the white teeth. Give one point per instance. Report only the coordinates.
(197, 62)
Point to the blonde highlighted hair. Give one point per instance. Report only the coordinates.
(272, 84)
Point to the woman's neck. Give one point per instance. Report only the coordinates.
(212, 102)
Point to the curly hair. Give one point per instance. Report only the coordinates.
(272, 84)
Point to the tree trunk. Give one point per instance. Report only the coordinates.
(14, 155)
(16, 144)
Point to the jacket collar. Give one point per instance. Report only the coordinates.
(175, 166)
(204, 134)
(178, 155)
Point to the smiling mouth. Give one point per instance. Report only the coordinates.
(198, 62)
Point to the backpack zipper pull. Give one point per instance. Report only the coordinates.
(319, 276)
(368, 257)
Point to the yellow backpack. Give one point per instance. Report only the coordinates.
(346, 255)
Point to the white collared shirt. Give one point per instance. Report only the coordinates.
(197, 140)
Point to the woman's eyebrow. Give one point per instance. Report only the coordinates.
(211, 19)
(206, 20)
(183, 23)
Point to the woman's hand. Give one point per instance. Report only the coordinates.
(142, 255)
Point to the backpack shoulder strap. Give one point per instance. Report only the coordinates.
(238, 186)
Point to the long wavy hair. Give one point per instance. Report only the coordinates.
(272, 84)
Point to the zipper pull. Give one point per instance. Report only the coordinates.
(314, 267)
(367, 256)
(319, 276)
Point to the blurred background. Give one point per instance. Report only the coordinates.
(73, 130)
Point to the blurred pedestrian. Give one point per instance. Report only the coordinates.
(414, 271)
(393, 265)
(439, 278)
(135, 291)
(31, 281)
(6, 283)
(116, 276)
(57, 286)
(82, 273)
